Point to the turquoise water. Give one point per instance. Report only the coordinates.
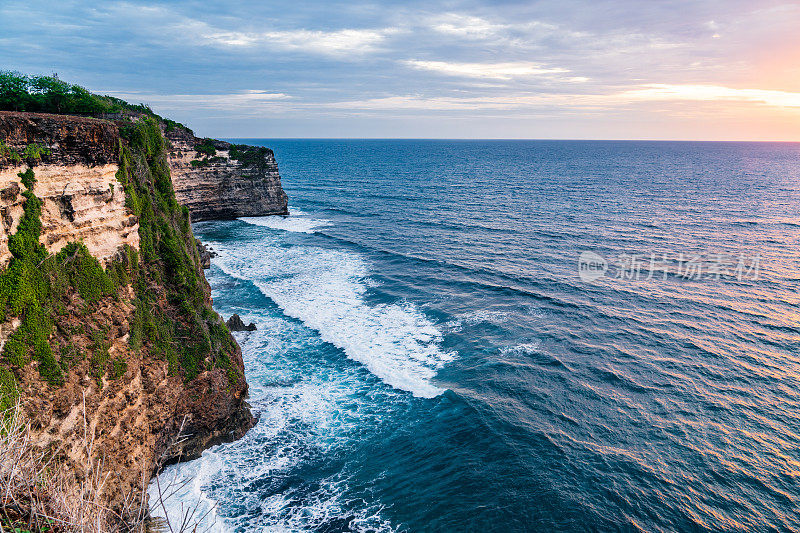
(429, 359)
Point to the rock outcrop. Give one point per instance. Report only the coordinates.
(132, 355)
(219, 180)
(235, 323)
(69, 140)
(206, 254)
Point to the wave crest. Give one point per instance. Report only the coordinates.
(292, 223)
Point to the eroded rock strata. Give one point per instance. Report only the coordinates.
(81, 203)
(219, 180)
(106, 325)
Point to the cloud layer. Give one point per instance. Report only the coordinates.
(677, 69)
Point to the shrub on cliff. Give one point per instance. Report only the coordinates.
(206, 148)
(23, 288)
(177, 325)
(49, 94)
(8, 154)
(250, 156)
(84, 272)
(8, 390)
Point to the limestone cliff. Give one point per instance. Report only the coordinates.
(106, 324)
(76, 166)
(219, 180)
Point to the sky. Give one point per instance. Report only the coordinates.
(563, 69)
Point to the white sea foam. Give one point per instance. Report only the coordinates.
(325, 289)
(301, 419)
(308, 407)
(323, 506)
(297, 422)
(178, 493)
(293, 223)
(454, 326)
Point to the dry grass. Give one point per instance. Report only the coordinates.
(39, 493)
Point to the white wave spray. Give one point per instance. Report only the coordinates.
(326, 290)
(293, 223)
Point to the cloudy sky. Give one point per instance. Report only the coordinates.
(615, 69)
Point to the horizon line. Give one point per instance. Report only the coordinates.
(508, 139)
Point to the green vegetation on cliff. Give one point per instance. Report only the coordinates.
(206, 147)
(8, 389)
(178, 323)
(50, 293)
(48, 94)
(254, 157)
(31, 154)
(36, 283)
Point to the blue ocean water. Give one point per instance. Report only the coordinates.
(428, 358)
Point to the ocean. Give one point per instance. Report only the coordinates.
(513, 336)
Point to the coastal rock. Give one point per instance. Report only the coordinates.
(218, 180)
(206, 254)
(235, 323)
(68, 140)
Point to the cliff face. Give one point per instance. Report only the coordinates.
(69, 140)
(106, 326)
(218, 180)
(76, 166)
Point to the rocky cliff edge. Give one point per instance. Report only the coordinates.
(106, 325)
(219, 180)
